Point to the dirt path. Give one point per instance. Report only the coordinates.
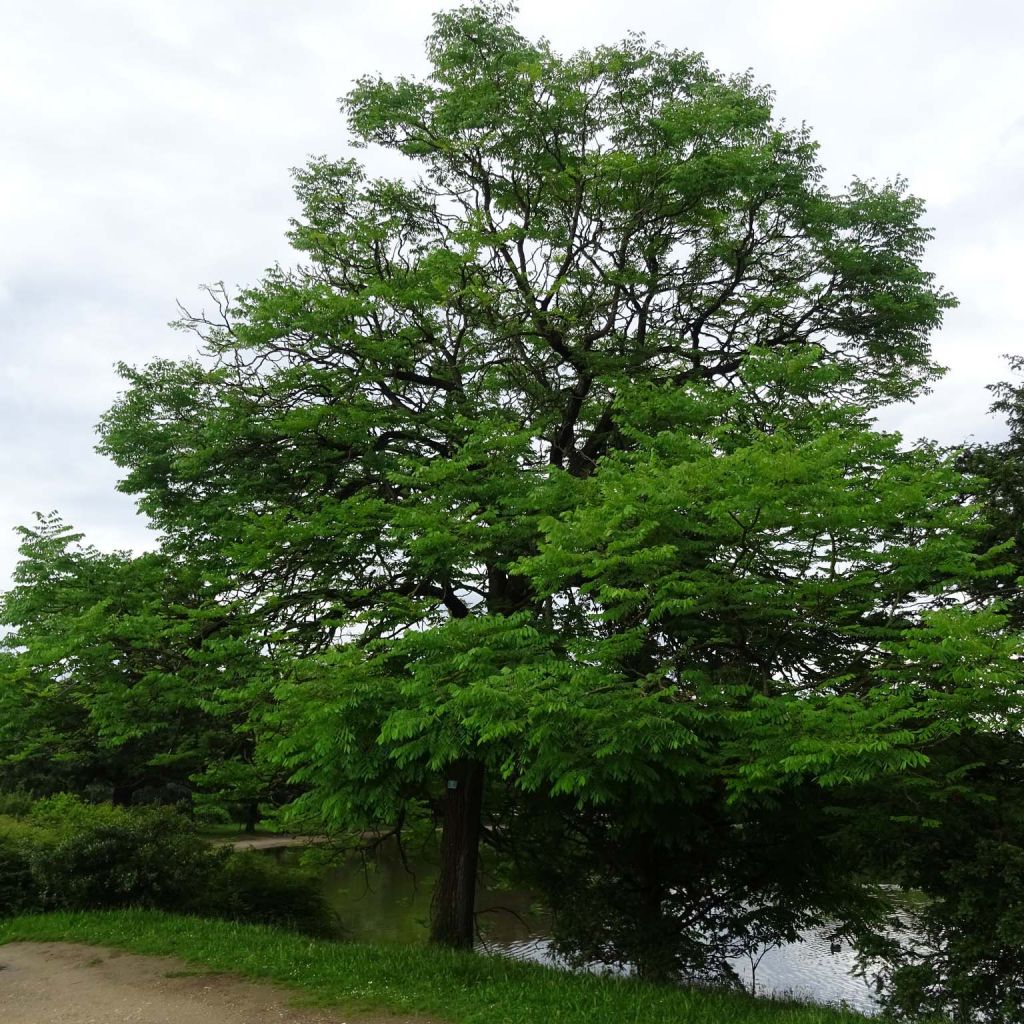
(61, 983)
(274, 842)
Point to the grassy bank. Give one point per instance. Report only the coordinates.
(460, 988)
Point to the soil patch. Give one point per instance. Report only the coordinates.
(274, 842)
(65, 983)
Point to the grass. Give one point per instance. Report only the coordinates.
(457, 987)
(229, 831)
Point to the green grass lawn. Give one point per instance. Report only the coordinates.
(457, 987)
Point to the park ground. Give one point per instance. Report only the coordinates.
(77, 969)
(66, 983)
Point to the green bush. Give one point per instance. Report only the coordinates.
(19, 890)
(211, 814)
(19, 893)
(249, 887)
(66, 812)
(16, 804)
(65, 854)
(140, 858)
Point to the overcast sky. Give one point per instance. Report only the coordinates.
(145, 148)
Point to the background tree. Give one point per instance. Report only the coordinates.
(997, 474)
(101, 689)
(959, 840)
(546, 472)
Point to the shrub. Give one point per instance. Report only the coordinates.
(19, 890)
(69, 855)
(16, 804)
(65, 812)
(211, 814)
(249, 887)
(19, 893)
(140, 858)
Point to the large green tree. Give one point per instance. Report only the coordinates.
(550, 471)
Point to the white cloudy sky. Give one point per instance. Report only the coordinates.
(145, 147)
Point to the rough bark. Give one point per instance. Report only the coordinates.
(454, 899)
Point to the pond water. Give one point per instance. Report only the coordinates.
(382, 900)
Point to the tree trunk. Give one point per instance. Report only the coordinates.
(453, 903)
(252, 816)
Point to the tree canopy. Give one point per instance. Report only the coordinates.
(97, 688)
(547, 500)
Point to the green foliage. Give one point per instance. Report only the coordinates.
(121, 678)
(19, 893)
(15, 804)
(966, 961)
(997, 473)
(67, 854)
(145, 858)
(682, 896)
(960, 841)
(66, 812)
(250, 887)
(556, 461)
(20, 839)
(98, 688)
(559, 460)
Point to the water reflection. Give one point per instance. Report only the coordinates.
(381, 899)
